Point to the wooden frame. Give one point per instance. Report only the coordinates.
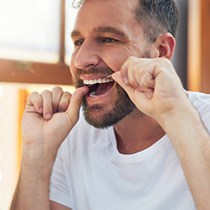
(37, 72)
(34, 72)
(199, 45)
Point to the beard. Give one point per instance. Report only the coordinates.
(103, 115)
(110, 115)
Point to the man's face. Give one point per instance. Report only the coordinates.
(105, 35)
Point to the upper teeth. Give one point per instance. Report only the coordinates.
(95, 81)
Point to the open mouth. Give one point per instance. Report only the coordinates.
(98, 86)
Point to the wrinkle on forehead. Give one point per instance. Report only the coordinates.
(118, 14)
(110, 8)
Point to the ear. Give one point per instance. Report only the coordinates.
(165, 45)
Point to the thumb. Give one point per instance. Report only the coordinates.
(75, 103)
(136, 95)
(117, 76)
(146, 89)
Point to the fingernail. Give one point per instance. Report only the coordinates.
(125, 80)
(48, 116)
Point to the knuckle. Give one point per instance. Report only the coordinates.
(57, 89)
(45, 92)
(65, 99)
(34, 96)
(67, 94)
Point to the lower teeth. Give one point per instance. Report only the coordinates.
(93, 93)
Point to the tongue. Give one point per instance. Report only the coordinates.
(103, 88)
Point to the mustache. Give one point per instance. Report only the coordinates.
(95, 70)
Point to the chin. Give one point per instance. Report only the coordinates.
(103, 115)
(100, 117)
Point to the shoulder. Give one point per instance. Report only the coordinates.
(199, 99)
(201, 102)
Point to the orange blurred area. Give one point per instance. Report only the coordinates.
(12, 102)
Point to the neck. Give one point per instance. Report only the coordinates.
(137, 132)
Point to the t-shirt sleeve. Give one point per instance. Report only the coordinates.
(205, 116)
(59, 188)
(201, 102)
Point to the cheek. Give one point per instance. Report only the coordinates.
(72, 66)
(112, 58)
(115, 59)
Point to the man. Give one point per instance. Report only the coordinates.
(155, 151)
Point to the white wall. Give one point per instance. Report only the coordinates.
(8, 143)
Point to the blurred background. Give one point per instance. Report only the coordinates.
(35, 50)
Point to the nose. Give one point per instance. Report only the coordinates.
(87, 56)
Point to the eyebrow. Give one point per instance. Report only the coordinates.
(75, 33)
(104, 29)
(112, 30)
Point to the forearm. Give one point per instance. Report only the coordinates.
(30, 195)
(47, 120)
(32, 190)
(192, 143)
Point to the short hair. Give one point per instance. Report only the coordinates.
(156, 16)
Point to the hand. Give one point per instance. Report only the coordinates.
(152, 85)
(47, 120)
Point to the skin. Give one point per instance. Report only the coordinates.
(152, 84)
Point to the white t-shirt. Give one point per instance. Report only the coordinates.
(90, 173)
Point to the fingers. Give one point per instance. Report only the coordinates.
(75, 103)
(34, 103)
(48, 102)
(64, 102)
(55, 101)
(57, 93)
(60, 99)
(122, 81)
(147, 80)
(136, 74)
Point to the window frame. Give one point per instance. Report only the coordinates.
(20, 71)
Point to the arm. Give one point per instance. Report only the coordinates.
(47, 120)
(154, 87)
(193, 148)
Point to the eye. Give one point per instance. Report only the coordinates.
(108, 40)
(78, 42)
